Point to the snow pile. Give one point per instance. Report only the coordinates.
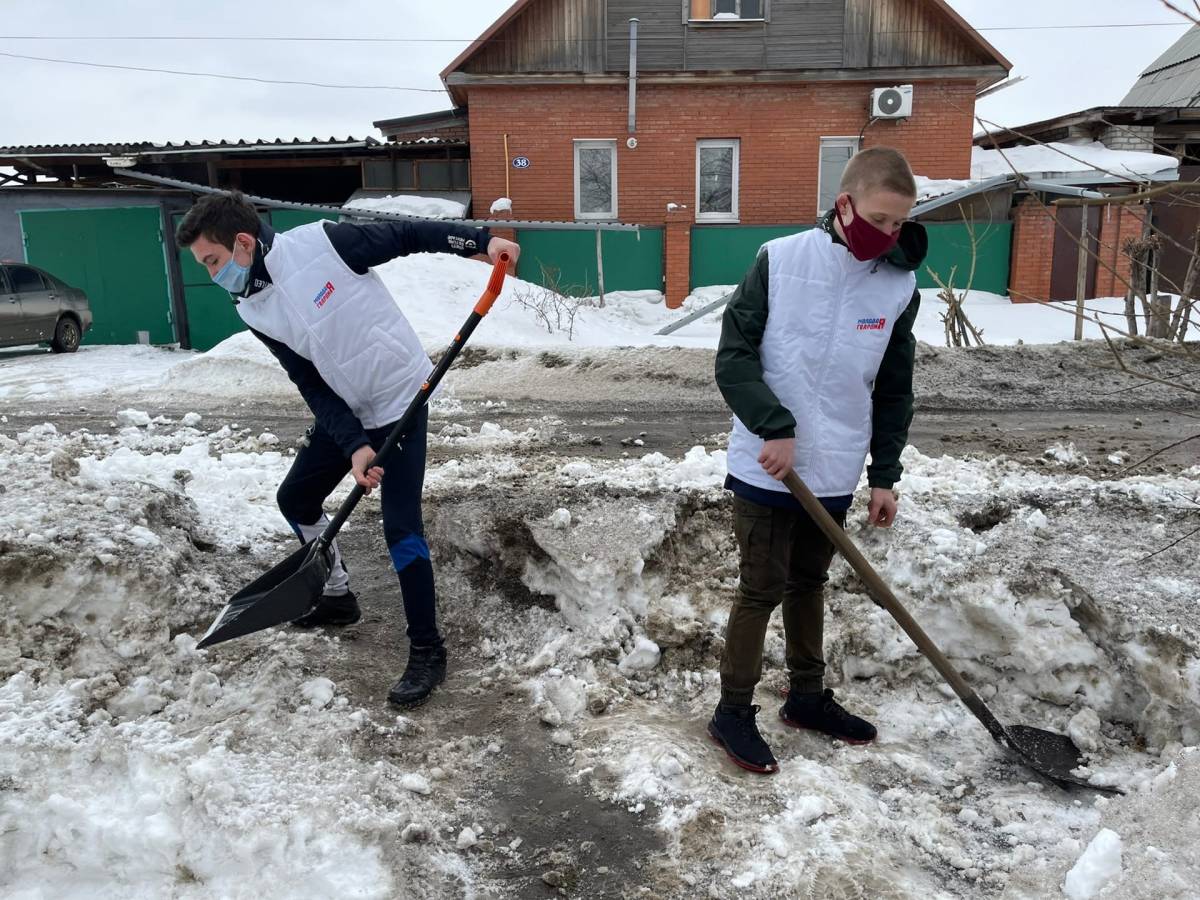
(411, 205)
(132, 764)
(238, 368)
(437, 291)
(997, 563)
(501, 204)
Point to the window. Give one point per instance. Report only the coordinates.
(421, 174)
(717, 181)
(595, 179)
(725, 10)
(835, 153)
(25, 279)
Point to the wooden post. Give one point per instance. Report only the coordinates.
(1081, 273)
(600, 267)
(507, 166)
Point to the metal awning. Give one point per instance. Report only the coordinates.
(340, 211)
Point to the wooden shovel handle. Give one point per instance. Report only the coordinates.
(882, 594)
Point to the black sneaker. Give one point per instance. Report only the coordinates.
(818, 711)
(340, 610)
(733, 728)
(426, 669)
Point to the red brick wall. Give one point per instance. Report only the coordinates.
(779, 126)
(1032, 252)
(1117, 225)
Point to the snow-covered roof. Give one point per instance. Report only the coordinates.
(411, 205)
(1081, 163)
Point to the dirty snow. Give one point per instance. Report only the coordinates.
(136, 766)
(588, 597)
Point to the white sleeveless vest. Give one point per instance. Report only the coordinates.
(348, 325)
(829, 319)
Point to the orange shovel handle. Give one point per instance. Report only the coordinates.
(495, 283)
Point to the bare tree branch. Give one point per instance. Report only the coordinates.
(1183, 12)
(1159, 452)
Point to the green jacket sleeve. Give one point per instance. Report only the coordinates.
(892, 408)
(739, 358)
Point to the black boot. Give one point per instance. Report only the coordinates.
(733, 727)
(426, 669)
(340, 610)
(818, 711)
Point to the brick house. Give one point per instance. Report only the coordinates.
(1157, 116)
(739, 115)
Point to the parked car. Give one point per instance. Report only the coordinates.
(36, 307)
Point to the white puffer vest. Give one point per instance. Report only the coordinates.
(829, 320)
(348, 325)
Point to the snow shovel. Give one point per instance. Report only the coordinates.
(293, 587)
(1051, 755)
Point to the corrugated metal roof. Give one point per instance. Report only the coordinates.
(1177, 86)
(1187, 47)
(188, 146)
(1173, 79)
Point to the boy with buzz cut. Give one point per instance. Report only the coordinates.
(816, 363)
(311, 296)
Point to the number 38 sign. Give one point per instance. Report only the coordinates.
(520, 162)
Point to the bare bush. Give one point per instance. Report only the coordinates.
(553, 304)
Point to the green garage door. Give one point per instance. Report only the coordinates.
(116, 256)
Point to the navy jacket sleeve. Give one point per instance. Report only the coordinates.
(364, 246)
(333, 415)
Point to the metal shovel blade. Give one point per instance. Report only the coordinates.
(283, 594)
(1053, 755)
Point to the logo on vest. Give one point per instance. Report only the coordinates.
(325, 293)
(871, 324)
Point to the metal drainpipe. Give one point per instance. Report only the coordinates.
(633, 26)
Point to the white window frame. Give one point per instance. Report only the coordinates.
(688, 20)
(596, 144)
(732, 215)
(850, 141)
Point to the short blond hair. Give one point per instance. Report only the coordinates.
(878, 168)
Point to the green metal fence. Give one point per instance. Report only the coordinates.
(116, 256)
(632, 261)
(721, 254)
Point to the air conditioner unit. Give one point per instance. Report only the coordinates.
(892, 102)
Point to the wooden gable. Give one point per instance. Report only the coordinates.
(588, 40)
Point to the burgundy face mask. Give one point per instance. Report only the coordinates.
(866, 241)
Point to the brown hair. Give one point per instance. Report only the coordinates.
(218, 217)
(878, 168)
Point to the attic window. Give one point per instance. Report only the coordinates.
(726, 10)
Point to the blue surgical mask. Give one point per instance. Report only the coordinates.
(232, 276)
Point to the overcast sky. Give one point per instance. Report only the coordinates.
(50, 103)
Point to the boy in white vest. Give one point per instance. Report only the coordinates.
(816, 363)
(310, 295)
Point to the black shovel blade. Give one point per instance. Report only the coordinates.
(283, 594)
(1050, 754)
